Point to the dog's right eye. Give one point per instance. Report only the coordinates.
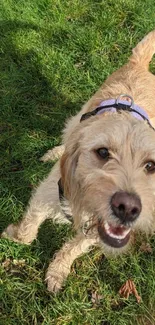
(150, 166)
(103, 153)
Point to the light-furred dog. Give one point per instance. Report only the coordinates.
(104, 180)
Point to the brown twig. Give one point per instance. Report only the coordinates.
(129, 288)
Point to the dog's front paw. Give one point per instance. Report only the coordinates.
(54, 282)
(53, 154)
(10, 232)
(14, 233)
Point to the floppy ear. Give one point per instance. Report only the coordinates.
(69, 160)
(68, 165)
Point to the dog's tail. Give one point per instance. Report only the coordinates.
(143, 52)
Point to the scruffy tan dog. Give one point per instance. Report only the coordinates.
(105, 178)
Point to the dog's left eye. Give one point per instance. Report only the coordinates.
(103, 153)
(150, 166)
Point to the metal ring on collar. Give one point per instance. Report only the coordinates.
(125, 95)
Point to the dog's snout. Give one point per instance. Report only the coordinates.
(126, 206)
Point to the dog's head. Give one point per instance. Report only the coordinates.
(108, 171)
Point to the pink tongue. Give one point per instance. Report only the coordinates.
(117, 230)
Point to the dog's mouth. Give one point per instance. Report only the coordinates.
(115, 236)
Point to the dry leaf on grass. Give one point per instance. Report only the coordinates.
(19, 263)
(95, 297)
(146, 247)
(6, 263)
(129, 288)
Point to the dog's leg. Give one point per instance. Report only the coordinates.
(44, 204)
(26, 231)
(59, 269)
(53, 154)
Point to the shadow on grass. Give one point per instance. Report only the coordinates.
(26, 88)
(50, 238)
(32, 117)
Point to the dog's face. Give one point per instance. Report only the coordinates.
(108, 172)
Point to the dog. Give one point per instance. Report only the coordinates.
(104, 179)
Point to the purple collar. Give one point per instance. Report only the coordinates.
(117, 105)
(135, 110)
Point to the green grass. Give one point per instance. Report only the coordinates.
(54, 55)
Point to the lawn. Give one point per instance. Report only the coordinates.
(54, 55)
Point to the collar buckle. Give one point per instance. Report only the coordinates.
(131, 101)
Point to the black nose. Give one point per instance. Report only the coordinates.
(126, 206)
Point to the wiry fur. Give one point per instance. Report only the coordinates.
(88, 182)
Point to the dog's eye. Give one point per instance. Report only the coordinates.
(103, 153)
(150, 166)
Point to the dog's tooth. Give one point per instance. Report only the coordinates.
(117, 236)
(106, 226)
(111, 234)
